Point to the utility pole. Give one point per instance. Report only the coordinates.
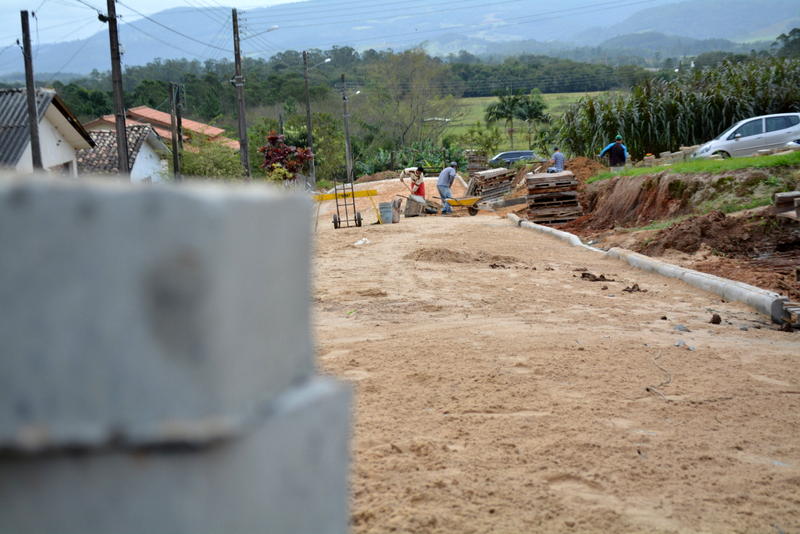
(312, 175)
(238, 82)
(175, 127)
(30, 89)
(347, 147)
(116, 84)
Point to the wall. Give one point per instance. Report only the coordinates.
(148, 166)
(57, 150)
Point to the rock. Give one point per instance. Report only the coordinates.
(715, 319)
(680, 343)
(664, 318)
(681, 328)
(787, 327)
(743, 328)
(635, 289)
(604, 288)
(594, 278)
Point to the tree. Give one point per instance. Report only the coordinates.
(481, 139)
(790, 43)
(206, 159)
(505, 109)
(405, 92)
(531, 109)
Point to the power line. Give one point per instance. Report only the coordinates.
(87, 4)
(165, 43)
(363, 14)
(519, 21)
(173, 30)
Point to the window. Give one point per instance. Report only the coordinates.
(747, 129)
(781, 123)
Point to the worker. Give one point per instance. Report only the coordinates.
(443, 184)
(417, 186)
(617, 154)
(557, 160)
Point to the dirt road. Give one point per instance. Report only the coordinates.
(498, 391)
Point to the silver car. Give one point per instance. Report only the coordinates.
(747, 137)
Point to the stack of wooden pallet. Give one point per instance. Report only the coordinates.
(491, 184)
(553, 198)
(476, 162)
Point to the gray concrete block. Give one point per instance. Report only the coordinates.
(287, 475)
(147, 314)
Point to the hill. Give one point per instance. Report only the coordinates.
(737, 20)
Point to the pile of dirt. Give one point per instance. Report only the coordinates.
(584, 168)
(735, 237)
(758, 249)
(378, 176)
(445, 255)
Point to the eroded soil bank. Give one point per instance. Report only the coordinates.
(680, 218)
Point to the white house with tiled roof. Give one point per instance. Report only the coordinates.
(60, 133)
(146, 154)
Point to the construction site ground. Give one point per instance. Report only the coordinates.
(497, 390)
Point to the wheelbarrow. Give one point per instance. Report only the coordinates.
(466, 202)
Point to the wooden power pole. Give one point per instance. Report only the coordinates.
(116, 84)
(312, 171)
(238, 82)
(176, 130)
(348, 149)
(30, 88)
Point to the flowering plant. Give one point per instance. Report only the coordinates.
(277, 154)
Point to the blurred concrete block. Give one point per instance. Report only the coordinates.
(288, 474)
(143, 315)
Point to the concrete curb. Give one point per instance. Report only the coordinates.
(766, 302)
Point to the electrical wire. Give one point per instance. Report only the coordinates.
(87, 4)
(165, 43)
(173, 30)
(494, 25)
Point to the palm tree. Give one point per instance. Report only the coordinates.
(531, 109)
(505, 109)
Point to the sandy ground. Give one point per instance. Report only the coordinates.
(513, 398)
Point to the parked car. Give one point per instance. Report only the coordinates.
(517, 155)
(747, 137)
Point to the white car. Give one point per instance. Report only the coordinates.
(747, 137)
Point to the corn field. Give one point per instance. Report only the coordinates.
(658, 115)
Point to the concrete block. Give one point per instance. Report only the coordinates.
(147, 314)
(288, 474)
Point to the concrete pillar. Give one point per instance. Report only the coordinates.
(164, 334)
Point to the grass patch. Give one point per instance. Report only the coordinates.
(731, 207)
(471, 110)
(658, 225)
(709, 166)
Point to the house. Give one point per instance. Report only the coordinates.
(60, 133)
(145, 154)
(162, 124)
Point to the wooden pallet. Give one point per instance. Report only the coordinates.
(555, 212)
(554, 195)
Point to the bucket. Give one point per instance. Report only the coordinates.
(385, 209)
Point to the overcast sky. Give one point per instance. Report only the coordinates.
(61, 20)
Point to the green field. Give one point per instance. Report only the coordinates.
(471, 110)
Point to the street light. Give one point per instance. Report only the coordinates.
(309, 136)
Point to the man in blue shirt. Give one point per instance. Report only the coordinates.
(617, 154)
(558, 161)
(444, 183)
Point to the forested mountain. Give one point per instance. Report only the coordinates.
(502, 28)
(737, 20)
